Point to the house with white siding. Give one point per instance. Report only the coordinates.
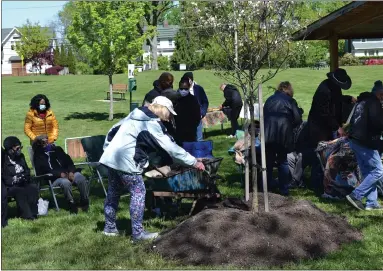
(367, 47)
(165, 41)
(11, 63)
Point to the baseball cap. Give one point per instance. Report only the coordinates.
(161, 100)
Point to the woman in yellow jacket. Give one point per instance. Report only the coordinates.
(40, 120)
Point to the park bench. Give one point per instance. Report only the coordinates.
(118, 89)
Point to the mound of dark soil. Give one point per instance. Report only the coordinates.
(291, 231)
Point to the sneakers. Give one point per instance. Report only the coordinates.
(374, 208)
(145, 236)
(355, 202)
(230, 136)
(113, 232)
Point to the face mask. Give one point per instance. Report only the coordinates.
(48, 147)
(42, 107)
(183, 92)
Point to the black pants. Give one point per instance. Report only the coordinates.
(4, 205)
(234, 115)
(26, 199)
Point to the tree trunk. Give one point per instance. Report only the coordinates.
(253, 155)
(153, 49)
(246, 129)
(263, 149)
(111, 97)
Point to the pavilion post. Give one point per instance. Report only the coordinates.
(334, 59)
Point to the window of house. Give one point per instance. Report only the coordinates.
(12, 45)
(158, 42)
(371, 53)
(363, 40)
(170, 42)
(365, 53)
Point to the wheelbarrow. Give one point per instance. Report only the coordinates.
(183, 183)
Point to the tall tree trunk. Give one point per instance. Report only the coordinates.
(253, 154)
(111, 96)
(153, 49)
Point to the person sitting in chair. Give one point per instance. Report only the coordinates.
(16, 180)
(52, 159)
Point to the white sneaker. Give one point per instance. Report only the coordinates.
(145, 236)
(230, 136)
(111, 232)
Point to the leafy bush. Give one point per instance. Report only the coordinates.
(349, 60)
(83, 68)
(53, 70)
(163, 63)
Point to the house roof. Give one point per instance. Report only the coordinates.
(6, 31)
(359, 19)
(164, 32)
(367, 45)
(14, 58)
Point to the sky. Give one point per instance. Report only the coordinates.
(16, 13)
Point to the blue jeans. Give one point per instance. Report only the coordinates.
(278, 156)
(372, 171)
(200, 131)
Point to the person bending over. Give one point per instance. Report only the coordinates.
(127, 155)
(234, 103)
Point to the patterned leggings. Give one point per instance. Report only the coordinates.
(117, 181)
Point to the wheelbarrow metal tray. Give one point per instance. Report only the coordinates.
(188, 180)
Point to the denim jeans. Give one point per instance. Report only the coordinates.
(200, 131)
(279, 156)
(371, 168)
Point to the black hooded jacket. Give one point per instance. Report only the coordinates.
(8, 170)
(325, 115)
(232, 97)
(156, 91)
(55, 162)
(367, 121)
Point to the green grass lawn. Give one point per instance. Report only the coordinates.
(61, 241)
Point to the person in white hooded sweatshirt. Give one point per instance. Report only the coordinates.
(127, 148)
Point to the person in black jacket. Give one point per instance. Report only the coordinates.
(156, 91)
(234, 103)
(188, 114)
(282, 116)
(198, 92)
(365, 132)
(16, 179)
(325, 116)
(49, 158)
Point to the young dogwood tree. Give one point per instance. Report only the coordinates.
(248, 32)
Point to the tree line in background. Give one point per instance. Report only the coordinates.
(193, 48)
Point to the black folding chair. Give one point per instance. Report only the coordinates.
(43, 180)
(93, 147)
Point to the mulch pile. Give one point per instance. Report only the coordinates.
(222, 235)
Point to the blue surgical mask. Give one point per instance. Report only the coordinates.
(42, 107)
(183, 92)
(48, 147)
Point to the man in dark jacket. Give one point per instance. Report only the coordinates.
(233, 102)
(188, 114)
(16, 179)
(365, 132)
(282, 116)
(325, 116)
(201, 97)
(156, 91)
(49, 158)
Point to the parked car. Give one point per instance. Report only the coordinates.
(53, 70)
(373, 62)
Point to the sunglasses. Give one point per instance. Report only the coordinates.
(184, 89)
(19, 148)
